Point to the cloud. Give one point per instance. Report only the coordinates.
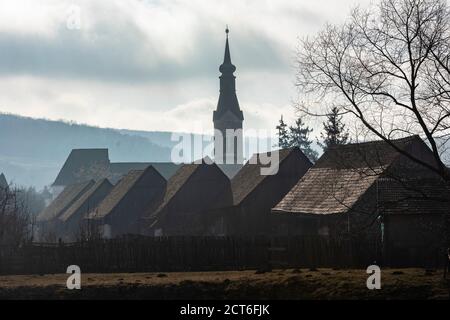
(152, 65)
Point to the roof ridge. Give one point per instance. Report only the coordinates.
(409, 139)
(263, 176)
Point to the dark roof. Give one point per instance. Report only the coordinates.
(341, 176)
(166, 169)
(86, 164)
(85, 198)
(367, 154)
(79, 160)
(3, 182)
(249, 177)
(178, 180)
(119, 191)
(414, 196)
(65, 199)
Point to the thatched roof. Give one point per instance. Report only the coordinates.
(85, 198)
(64, 200)
(3, 182)
(341, 176)
(249, 177)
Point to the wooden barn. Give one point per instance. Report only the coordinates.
(86, 164)
(372, 192)
(72, 220)
(121, 211)
(47, 220)
(255, 192)
(192, 196)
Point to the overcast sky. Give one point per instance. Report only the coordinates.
(153, 65)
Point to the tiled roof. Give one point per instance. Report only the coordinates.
(117, 194)
(341, 176)
(65, 199)
(166, 169)
(176, 182)
(414, 196)
(78, 160)
(249, 177)
(84, 199)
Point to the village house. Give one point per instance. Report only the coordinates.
(255, 193)
(372, 192)
(121, 211)
(86, 164)
(73, 226)
(192, 196)
(47, 220)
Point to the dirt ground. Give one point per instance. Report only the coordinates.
(278, 284)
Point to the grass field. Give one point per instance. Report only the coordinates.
(278, 284)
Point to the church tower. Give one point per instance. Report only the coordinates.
(228, 118)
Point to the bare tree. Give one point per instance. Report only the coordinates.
(16, 223)
(389, 67)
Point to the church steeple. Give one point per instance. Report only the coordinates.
(227, 66)
(228, 117)
(228, 100)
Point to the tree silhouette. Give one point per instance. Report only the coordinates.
(334, 130)
(388, 67)
(283, 134)
(299, 137)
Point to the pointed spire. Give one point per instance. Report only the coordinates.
(227, 57)
(227, 66)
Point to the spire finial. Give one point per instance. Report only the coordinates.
(227, 66)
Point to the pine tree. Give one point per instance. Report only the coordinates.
(283, 134)
(299, 137)
(334, 130)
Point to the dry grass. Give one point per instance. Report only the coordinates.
(279, 284)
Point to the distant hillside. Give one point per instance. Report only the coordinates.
(33, 150)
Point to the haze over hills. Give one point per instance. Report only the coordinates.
(32, 151)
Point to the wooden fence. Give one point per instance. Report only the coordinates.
(164, 254)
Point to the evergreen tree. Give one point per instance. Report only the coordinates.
(299, 137)
(334, 130)
(283, 134)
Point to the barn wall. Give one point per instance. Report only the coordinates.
(126, 218)
(72, 228)
(195, 205)
(412, 238)
(254, 213)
